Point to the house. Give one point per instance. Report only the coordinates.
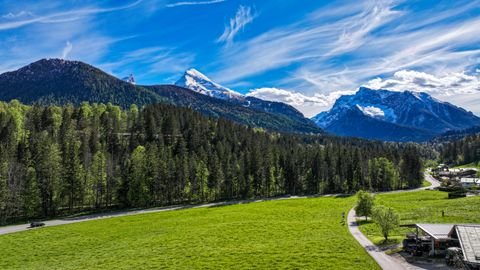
(468, 235)
(432, 239)
(435, 239)
(455, 174)
(440, 168)
(468, 182)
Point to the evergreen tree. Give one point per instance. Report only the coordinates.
(56, 159)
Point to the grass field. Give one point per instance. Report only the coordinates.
(426, 207)
(286, 234)
(471, 165)
(426, 183)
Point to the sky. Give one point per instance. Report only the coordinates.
(301, 52)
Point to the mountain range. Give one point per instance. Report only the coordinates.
(57, 81)
(371, 114)
(393, 116)
(194, 80)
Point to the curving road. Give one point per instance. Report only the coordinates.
(383, 260)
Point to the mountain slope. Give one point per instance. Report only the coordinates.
(393, 116)
(56, 81)
(235, 112)
(196, 81)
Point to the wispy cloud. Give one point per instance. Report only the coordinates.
(355, 32)
(67, 49)
(41, 34)
(243, 17)
(338, 48)
(19, 14)
(63, 16)
(311, 41)
(191, 3)
(160, 61)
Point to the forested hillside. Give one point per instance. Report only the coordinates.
(59, 160)
(463, 151)
(59, 82)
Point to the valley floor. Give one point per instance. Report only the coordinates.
(423, 207)
(280, 234)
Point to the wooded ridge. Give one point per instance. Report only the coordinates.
(57, 160)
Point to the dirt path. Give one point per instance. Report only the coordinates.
(384, 261)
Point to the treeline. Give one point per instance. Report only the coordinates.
(464, 151)
(58, 160)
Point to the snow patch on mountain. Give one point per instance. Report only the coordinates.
(372, 111)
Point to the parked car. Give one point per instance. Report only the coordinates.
(454, 256)
(36, 224)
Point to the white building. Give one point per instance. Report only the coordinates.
(469, 182)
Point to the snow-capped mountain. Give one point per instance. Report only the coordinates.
(393, 116)
(58, 81)
(198, 82)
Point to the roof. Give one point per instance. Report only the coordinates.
(469, 237)
(437, 231)
(470, 180)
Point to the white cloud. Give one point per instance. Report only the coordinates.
(457, 87)
(338, 48)
(67, 49)
(447, 84)
(243, 17)
(308, 105)
(64, 16)
(191, 3)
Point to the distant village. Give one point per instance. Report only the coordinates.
(460, 177)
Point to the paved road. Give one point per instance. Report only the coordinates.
(385, 261)
(63, 221)
(435, 183)
(56, 222)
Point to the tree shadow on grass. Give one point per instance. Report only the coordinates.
(362, 221)
(388, 244)
(343, 196)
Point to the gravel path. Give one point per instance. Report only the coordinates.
(384, 261)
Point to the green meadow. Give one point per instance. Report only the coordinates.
(282, 234)
(423, 207)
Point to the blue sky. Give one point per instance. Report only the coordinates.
(305, 53)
